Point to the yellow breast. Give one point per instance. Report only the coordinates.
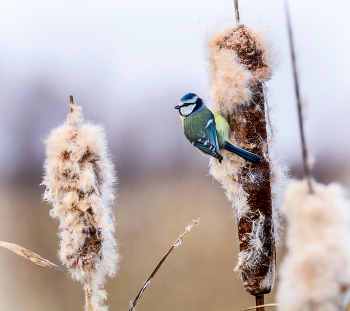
(222, 127)
(182, 119)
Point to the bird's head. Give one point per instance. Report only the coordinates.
(189, 104)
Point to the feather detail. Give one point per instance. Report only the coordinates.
(208, 148)
(222, 128)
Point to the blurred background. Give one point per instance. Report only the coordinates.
(128, 63)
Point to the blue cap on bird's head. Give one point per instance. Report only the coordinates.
(189, 98)
(189, 104)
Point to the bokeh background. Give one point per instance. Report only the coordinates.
(128, 63)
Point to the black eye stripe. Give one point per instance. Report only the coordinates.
(187, 104)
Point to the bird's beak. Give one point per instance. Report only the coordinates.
(177, 107)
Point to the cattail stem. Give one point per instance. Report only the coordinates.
(71, 102)
(307, 169)
(88, 304)
(237, 13)
(259, 301)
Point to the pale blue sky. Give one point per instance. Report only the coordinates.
(129, 62)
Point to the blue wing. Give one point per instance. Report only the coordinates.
(208, 148)
(210, 133)
(209, 144)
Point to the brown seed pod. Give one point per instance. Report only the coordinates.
(239, 64)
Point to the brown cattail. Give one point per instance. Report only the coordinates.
(315, 273)
(80, 184)
(239, 62)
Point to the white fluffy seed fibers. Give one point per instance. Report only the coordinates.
(239, 62)
(315, 274)
(80, 184)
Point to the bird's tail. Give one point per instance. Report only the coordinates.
(251, 157)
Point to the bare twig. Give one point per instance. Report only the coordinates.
(267, 305)
(307, 169)
(177, 243)
(19, 250)
(237, 13)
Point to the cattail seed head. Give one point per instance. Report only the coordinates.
(239, 62)
(80, 184)
(239, 58)
(315, 273)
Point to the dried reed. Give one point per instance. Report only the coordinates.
(80, 184)
(19, 250)
(261, 306)
(155, 270)
(306, 162)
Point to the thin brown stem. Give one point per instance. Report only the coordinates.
(307, 169)
(259, 301)
(177, 243)
(237, 13)
(71, 102)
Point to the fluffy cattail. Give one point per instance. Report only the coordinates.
(80, 184)
(239, 64)
(315, 274)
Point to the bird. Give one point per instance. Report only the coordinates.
(208, 130)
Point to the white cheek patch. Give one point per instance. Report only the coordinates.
(186, 110)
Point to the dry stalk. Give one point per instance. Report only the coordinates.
(177, 243)
(19, 250)
(257, 307)
(237, 13)
(306, 162)
(80, 184)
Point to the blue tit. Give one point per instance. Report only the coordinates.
(207, 129)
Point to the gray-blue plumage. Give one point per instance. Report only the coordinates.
(201, 130)
(187, 96)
